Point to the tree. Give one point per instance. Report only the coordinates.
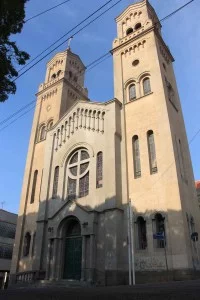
(12, 14)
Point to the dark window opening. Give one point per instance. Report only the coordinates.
(129, 31)
(27, 242)
(142, 237)
(138, 26)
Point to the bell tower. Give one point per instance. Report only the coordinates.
(62, 88)
(160, 176)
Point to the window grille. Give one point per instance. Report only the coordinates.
(146, 86)
(152, 152)
(132, 92)
(78, 174)
(99, 170)
(136, 157)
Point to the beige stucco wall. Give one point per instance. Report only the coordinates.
(109, 127)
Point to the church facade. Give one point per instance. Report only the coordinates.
(89, 161)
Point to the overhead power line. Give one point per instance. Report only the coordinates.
(67, 33)
(78, 31)
(47, 10)
(97, 61)
(89, 67)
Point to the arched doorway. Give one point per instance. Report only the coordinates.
(72, 250)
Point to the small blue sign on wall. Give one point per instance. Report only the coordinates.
(159, 236)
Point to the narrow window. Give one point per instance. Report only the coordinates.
(55, 182)
(132, 92)
(146, 86)
(152, 152)
(42, 133)
(136, 157)
(27, 242)
(159, 231)
(141, 232)
(99, 170)
(34, 186)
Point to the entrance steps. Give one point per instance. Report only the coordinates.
(63, 283)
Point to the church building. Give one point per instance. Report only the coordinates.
(109, 186)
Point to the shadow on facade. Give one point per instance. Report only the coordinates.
(104, 244)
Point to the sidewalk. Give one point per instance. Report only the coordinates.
(174, 290)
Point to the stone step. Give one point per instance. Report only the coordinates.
(63, 283)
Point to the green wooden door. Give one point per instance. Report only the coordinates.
(72, 259)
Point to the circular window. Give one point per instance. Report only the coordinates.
(78, 174)
(135, 62)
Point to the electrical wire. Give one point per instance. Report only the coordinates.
(78, 31)
(88, 68)
(24, 107)
(70, 31)
(45, 11)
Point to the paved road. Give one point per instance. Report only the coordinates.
(170, 291)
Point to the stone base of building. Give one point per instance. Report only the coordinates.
(106, 278)
(110, 277)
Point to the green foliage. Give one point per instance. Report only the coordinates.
(12, 14)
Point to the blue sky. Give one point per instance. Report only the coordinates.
(181, 33)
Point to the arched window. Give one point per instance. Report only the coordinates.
(34, 186)
(42, 133)
(78, 174)
(73, 229)
(50, 124)
(53, 76)
(132, 92)
(141, 233)
(136, 157)
(129, 31)
(58, 73)
(138, 26)
(146, 86)
(152, 152)
(159, 230)
(27, 242)
(99, 170)
(55, 182)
